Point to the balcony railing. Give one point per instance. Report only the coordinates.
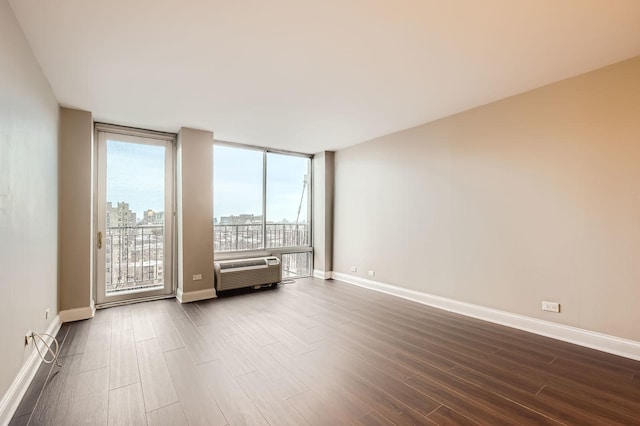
(135, 254)
(250, 237)
(134, 258)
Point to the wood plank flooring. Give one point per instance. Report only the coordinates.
(321, 353)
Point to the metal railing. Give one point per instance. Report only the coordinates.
(135, 254)
(296, 264)
(134, 257)
(250, 236)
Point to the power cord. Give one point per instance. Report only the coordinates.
(49, 350)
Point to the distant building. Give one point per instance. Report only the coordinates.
(242, 219)
(134, 252)
(152, 218)
(120, 216)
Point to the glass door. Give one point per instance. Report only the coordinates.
(134, 215)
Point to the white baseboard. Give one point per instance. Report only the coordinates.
(78, 314)
(591, 339)
(194, 296)
(323, 275)
(15, 393)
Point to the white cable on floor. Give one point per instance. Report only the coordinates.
(35, 335)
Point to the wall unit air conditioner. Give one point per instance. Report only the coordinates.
(253, 272)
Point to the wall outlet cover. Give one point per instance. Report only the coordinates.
(551, 306)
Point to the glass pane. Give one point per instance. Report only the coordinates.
(134, 240)
(296, 265)
(288, 201)
(237, 199)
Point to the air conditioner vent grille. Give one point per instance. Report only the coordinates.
(242, 263)
(231, 274)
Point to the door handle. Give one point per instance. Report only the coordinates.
(99, 239)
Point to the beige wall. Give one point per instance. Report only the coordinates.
(195, 214)
(536, 197)
(28, 197)
(76, 188)
(323, 173)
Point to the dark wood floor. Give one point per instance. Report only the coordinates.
(321, 353)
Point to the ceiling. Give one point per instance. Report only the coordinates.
(313, 75)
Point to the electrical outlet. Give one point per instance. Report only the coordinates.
(28, 337)
(354, 269)
(46, 314)
(197, 277)
(551, 306)
(372, 273)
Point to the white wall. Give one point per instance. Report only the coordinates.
(28, 197)
(536, 197)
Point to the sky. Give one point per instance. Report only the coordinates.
(237, 177)
(135, 174)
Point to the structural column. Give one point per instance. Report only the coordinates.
(194, 189)
(75, 277)
(323, 178)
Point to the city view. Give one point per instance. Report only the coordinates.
(253, 211)
(244, 232)
(262, 203)
(134, 247)
(134, 240)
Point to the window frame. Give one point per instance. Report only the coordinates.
(274, 251)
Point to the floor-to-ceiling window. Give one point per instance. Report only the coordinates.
(134, 236)
(262, 203)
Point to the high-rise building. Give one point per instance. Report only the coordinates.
(120, 216)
